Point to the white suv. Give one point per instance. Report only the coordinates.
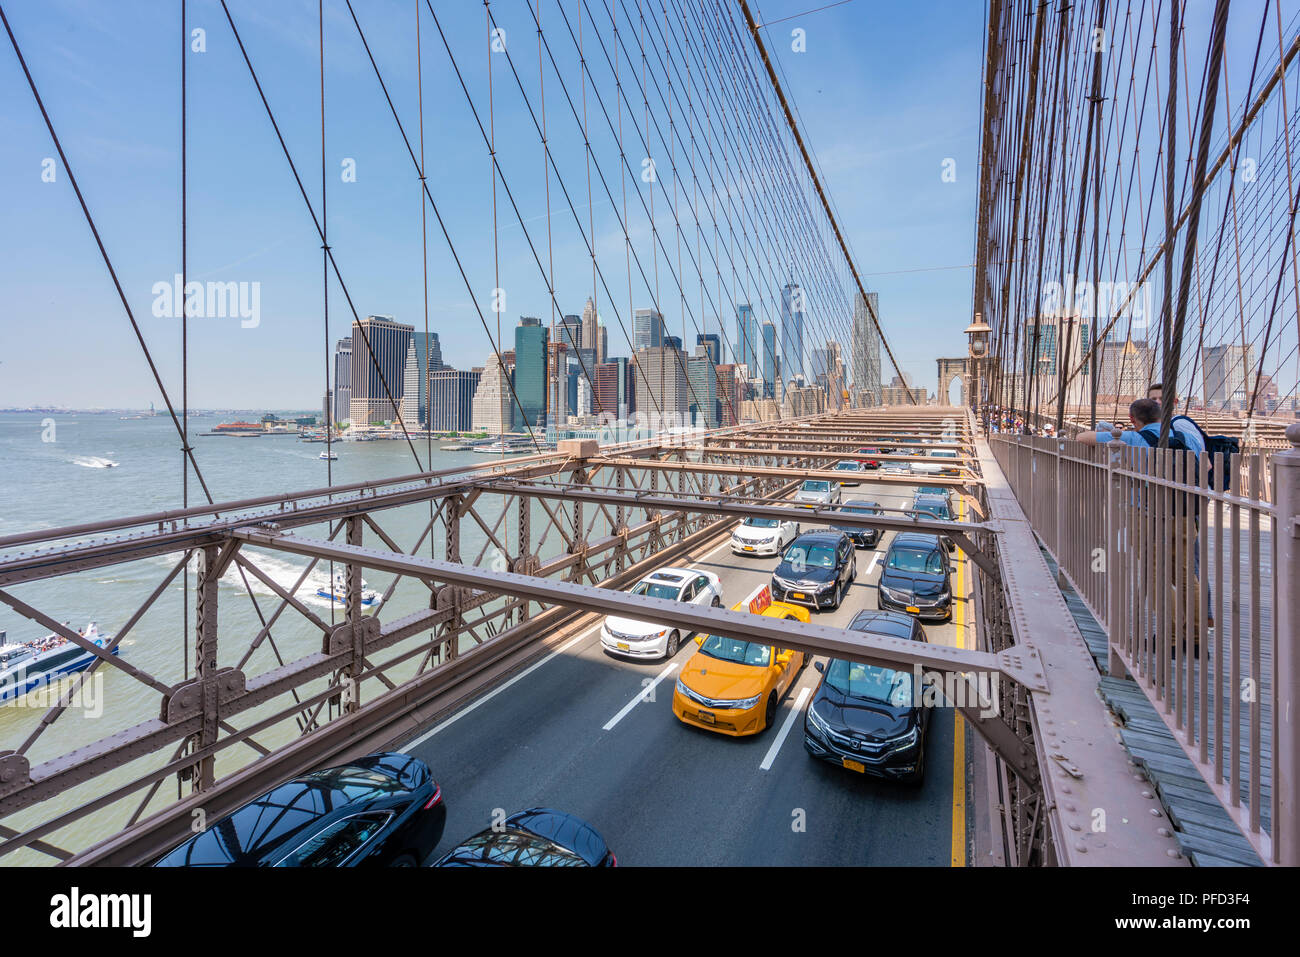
(643, 639)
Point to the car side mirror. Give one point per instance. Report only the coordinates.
(785, 657)
(821, 669)
(699, 639)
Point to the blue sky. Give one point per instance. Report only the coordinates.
(885, 92)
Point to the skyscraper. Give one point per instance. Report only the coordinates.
(792, 343)
(866, 349)
(712, 343)
(702, 397)
(590, 336)
(613, 394)
(342, 379)
(451, 399)
(602, 344)
(647, 329)
(1229, 375)
(660, 384)
(423, 358)
(768, 361)
(377, 379)
(569, 331)
(747, 343)
(490, 411)
(531, 339)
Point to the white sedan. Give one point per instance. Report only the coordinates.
(763, 536)
(643, 639)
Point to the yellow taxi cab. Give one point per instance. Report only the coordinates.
(733, 686)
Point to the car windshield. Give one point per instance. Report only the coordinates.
(943, 454)
(733, 649)
(862, 509)
(847, 466)
(762, 522)
(869, 683)
(932, 490)
(657, 590)
(813, 485)
(337, 842)
(816, 556)
(915, 560)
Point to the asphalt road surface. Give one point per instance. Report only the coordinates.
(572, 732)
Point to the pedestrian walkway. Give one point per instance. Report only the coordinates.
(1202, 828)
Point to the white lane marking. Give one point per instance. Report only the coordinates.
(500, 688)
(785, 729)
(642, 695)
(875, 560)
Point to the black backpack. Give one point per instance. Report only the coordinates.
(1216, 445)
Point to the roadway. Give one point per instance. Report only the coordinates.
(579, 731)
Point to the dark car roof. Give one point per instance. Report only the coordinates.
(530, 838)
(263, 830)
(892, 623)
(915, 540)
(860, 503)
(818, 538)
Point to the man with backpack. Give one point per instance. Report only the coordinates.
(1145, 416)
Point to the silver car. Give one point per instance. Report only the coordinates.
(818, 492)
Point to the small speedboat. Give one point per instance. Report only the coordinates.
(25, 666)
(330, 456)
(339, 592)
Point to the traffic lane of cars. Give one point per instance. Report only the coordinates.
(664, 793)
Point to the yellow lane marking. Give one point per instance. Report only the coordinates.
(959, 723)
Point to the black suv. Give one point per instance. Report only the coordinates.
(869, 719)
(939, 507)
(858, 535)
(816, 570)
(916, 577)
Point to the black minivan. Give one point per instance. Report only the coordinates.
(816, 569)
(869, 719)
(916, 577)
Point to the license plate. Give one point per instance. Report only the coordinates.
(855, 765)
(912, 609)
(801, 596)
(624, 646)
(707, 717)
(749, 548)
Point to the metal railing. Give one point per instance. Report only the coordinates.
(1197, 588)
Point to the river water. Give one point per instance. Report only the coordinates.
(54, 471)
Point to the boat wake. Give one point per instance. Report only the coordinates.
(94, 462)
(283, 573)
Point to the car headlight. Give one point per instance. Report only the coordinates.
(817, 721)
(825, 585)
(902, 742)
(747, 703)
(682, 689)
(892, 594)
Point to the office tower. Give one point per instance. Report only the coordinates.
(729, 397)
(673, 342)
(531, 340)
(613, 396)
(647, 329)
(769, 361)
(792, 318)
(866, 349)
(451, 399)
(423, 358)
(747, 344)
(702, 397)
(569, 331)
(1048, 365)
(492, 406)
(377, 371)
(713, 343)
(584, 397)
(557, 401)
(1229, 375)
(342, 379)
(1123, 368)
(660, 384)
(602, 344)
(590, 336)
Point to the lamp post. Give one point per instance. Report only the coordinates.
(978, 333)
